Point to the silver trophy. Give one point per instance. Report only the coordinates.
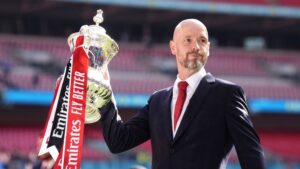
(100, 49)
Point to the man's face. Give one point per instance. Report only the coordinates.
(190, 45)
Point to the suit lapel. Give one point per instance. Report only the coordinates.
(166, 109)
(196, 101)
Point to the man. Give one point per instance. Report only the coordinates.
(195, 125)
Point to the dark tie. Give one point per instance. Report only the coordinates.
(180, 101)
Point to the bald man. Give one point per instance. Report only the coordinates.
(194, 123)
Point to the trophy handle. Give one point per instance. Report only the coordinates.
(72, 40)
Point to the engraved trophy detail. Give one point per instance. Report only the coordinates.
(100, 48)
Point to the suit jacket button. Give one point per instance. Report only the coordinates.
(172, 150)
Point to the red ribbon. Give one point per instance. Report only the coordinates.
(71, 151)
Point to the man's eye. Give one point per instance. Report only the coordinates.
(188, 40)
(203, 40)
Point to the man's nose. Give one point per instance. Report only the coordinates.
(196, 46)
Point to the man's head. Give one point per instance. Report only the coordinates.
(190, 45)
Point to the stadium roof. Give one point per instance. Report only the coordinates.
(202, 6)
(60, 18)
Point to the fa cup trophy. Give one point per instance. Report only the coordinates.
(100, 49)
(83, 88)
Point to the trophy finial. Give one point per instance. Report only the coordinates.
(98, 18)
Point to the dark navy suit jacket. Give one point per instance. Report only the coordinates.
(216, 119)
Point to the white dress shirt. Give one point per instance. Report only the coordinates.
(193, 82)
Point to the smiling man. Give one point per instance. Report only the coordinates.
(194, 123)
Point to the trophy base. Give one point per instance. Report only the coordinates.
(98, 95)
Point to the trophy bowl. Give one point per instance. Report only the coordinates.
(100, 48)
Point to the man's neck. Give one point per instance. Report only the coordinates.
(186, 73)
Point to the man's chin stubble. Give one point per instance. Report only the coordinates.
(193, 65)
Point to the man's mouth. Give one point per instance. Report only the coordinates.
(194, 55)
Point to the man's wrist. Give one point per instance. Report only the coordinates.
(103, 110)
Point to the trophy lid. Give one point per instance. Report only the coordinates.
(94, 29)
(98, 18)
(91, 32)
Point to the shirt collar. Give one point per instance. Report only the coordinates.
(193, 80)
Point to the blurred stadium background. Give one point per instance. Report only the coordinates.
(254, 43)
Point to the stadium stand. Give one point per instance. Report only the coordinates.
(33, 62)
(23, 140)
(292, 3)
(137, 63)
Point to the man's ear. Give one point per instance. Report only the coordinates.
(172, 47)
(208, 48)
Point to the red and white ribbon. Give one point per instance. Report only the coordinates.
(64, 129)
